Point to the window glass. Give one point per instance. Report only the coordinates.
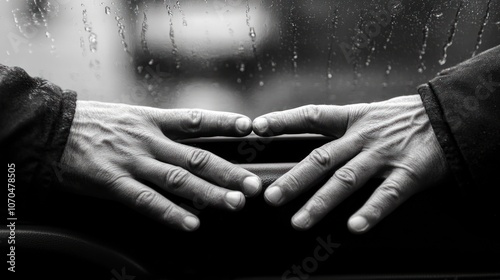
(246, 56)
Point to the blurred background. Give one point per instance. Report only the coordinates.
(245, 56)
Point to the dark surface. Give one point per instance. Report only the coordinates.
(434, 232)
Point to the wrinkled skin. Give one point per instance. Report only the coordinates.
(129, 154)
(392, 139)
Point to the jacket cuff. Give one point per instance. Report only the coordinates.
(36, 121)
(52, 173)
(448, 143)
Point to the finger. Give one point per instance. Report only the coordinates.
(178, 181)
(152, 204)
(184, 123)
(207, 166)
(312, 169)
(393, 192)
(343, 183)
(323, 119)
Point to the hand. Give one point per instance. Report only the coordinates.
(114, 149)
(392, 139)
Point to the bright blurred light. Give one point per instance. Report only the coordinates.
(209, 30)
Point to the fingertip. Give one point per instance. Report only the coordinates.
(260, 125)
(191, 223)
(244, 125)
(301, 220)
(235, 200)
(358, 224)
(273, 196)
(252, 185)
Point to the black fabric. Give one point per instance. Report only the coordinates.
(463, 104)
(35, 121)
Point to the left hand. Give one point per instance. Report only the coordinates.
(393, 139)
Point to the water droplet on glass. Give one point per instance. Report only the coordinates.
(172, 38)
(252, 33)
(388, 70)
(88, 28)
(423, 48)
(253, 37)
(107, 10)
(43, 11)
(178, 5)
(151, 62)
(451, 34)
(93, 42)
(261, 83)
(144, 31)
(332, 37)
(121, 32)
(484, 21)
(391, 31)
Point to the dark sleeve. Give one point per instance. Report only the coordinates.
(463, 104)
(35, 119)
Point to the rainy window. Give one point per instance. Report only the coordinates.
(246, 56)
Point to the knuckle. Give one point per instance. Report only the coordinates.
(175, 177)
(346, 177)
(192, 123)
(374, 209)
(208, 195)
(320, 156)
(292, 182)
(197, 159)
(312, 115)
(364, 135)
(230, 174)
(390, 193)
(319, 203)
(144, 199)
(168, 212)
(277, 123)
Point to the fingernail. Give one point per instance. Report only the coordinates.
(191, 223)
(260, 124)
(243, 124)
(358, 224)
(235, 199)
(274, 195)
(301, 219)
(252, 185)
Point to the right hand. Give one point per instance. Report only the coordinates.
(113, 149)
